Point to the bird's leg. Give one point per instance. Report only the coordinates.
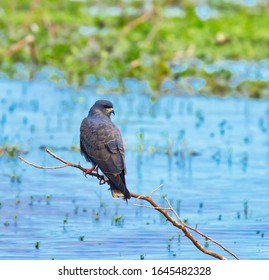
(102, 180)
(88, 171)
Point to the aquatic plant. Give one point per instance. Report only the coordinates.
(206, 242)
(6, 223)
(246, 209)
(76, 210)
(10, 151)
(17, 201)
(118, 220)
(31, 201)
(37, 244)
(65, 220)
(178, 206)
(81, 238)
(15, 178)
(96, 215)
(169, 242)
(48, 198)
(140, 136)
(15, 220)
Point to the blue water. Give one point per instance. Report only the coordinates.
(211, 154)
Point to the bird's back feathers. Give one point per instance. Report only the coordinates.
(101, 144)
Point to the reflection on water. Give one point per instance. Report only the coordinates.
(211, 155)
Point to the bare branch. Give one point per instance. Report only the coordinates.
(151, 207)
(163, 210)
(152, 192)
(66, 164)
(41, 167)
(173, 210)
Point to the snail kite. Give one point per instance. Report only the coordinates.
(101, 144)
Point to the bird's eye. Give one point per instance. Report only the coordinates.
(106, 106)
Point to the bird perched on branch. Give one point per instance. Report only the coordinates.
(101, 144)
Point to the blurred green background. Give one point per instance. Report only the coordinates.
(140, 39)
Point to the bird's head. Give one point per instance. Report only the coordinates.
(105, 107)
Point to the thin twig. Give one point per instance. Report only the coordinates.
(42, 167)
(66, 164)
(173, 210)
(151, 207)
(152, 192)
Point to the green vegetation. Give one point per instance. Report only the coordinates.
(14, 178)
(10, 151)
(81, 238)
(48, 198)
(37, 244)
(117, 220)
(128, 39)
(65, 220)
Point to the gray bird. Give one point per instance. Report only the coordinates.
(101, 144)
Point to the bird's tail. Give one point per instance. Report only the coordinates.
(118, 186)
(118, 194)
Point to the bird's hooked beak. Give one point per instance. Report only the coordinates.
(110, 111)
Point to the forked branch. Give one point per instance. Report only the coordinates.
(167, 212)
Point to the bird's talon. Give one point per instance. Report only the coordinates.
(89, 171)
(102, 181)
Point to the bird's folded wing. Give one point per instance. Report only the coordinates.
(103, 145)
